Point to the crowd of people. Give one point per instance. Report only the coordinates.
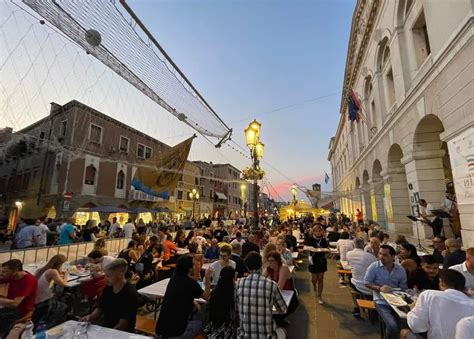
(242, 282)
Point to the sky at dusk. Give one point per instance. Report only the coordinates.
(281, 62)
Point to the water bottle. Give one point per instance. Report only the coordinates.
(41, 330)
(28, 331)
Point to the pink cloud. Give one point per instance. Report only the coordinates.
(283, 187)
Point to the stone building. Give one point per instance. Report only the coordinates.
(75, 151)
(410, 63)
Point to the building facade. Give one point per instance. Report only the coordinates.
(76, 157)
(410, 63)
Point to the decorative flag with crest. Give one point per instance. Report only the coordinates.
(354, 107)
(326, 178)
(160, 174)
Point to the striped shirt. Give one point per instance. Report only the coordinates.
(255, 298)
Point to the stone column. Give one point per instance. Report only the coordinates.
(366, 199)
(377, 187)
(424, 170)
(400, 201)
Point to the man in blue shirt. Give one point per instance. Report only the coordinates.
(68, 233)
(384, 276)
(212, 252)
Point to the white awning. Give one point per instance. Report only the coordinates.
(221, 196)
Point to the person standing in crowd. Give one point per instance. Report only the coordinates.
(224, 261)
(220, 232)
(67, 234)
(359, 217)
(383, 276)
(439, 247)
(114, 228)
(47, 307)
(221, 307)
(438, 312)
(43, 230)
(454, 255)
(119, 301)
(467, 269)
(430, 219)
(426, 277)
(238, 239)
(21, 297)
(255, 297)
(318, 263)
(129, 229)
(239, 262)
(250, 245)
(175, 314)
(29, 236)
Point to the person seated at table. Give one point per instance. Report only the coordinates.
(238, 239)
(285, 253)
(467, 269)
(383, 276)
(212, 252)
(290, 240)
(359, 260)
(270, 247)
(224, 261)
(198, 260)
(277, 271)
(250, 246)
(178, 302)
(373, 246)
(408, 251)
(220, 232)
(255, 297)
(100, 245)
(119, 301)
(181, 240)
(465, 328)
(409, 265)
(438, 312)
(130, 253)
(225, 241)
(438, 245)
(344, 245)
(169, 248)
(333, 234)
(221, 307)
(239, 262)
(426, 277)
(49, 309)
(19, 302)
(97, 258)
(453, 255)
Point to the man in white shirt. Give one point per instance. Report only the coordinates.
(467, 268)
(465, 328)
(437, 312)
(223, 261)
(238, 239)
(427, 214)
(344, 245)
(43, 230)
(129, 228)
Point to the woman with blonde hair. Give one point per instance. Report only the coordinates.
(270, 247)
(47, 309)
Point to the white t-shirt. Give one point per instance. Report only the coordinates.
(360, 261)
(113, 228)
(43, 230)
(462, 268)
(128, 229)
(236, 241)
(344, 246)
(217, 268)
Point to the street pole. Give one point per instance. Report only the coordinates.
(255, 192)
(194, 201)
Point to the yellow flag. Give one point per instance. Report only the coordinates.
(160, 174)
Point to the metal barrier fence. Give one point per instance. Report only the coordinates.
(71, 252)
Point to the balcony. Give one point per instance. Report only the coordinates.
(142, 196)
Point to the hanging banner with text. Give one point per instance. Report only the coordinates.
(461, 154)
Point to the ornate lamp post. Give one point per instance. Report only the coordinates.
(194, 196)
(293, 193)
(252, 135)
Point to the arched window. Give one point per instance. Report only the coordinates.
(385, 67)
(120, 179)
(90, 175)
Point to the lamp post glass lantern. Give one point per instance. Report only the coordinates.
(293, 193)
(194, 196)
(252, 136)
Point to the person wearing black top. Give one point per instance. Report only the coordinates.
(119, 301)
(454, 253)
(221, 307)
(250, 246)
(319, 263)
(181, 240)
(220, 233)
(178, 301)
(438, 244)
(290, 240)
(426, 277)
(239, 262)
(408, 251)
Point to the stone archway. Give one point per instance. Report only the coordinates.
(377, 196)
(396, 192)
(426, 172)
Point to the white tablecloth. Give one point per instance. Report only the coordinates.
(295, 255)
(73, 280)
(93, 332)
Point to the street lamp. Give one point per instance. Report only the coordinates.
(252, 136)
(293, 192)
(194, 196)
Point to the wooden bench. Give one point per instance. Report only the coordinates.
(369, 306)
(145, 325)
